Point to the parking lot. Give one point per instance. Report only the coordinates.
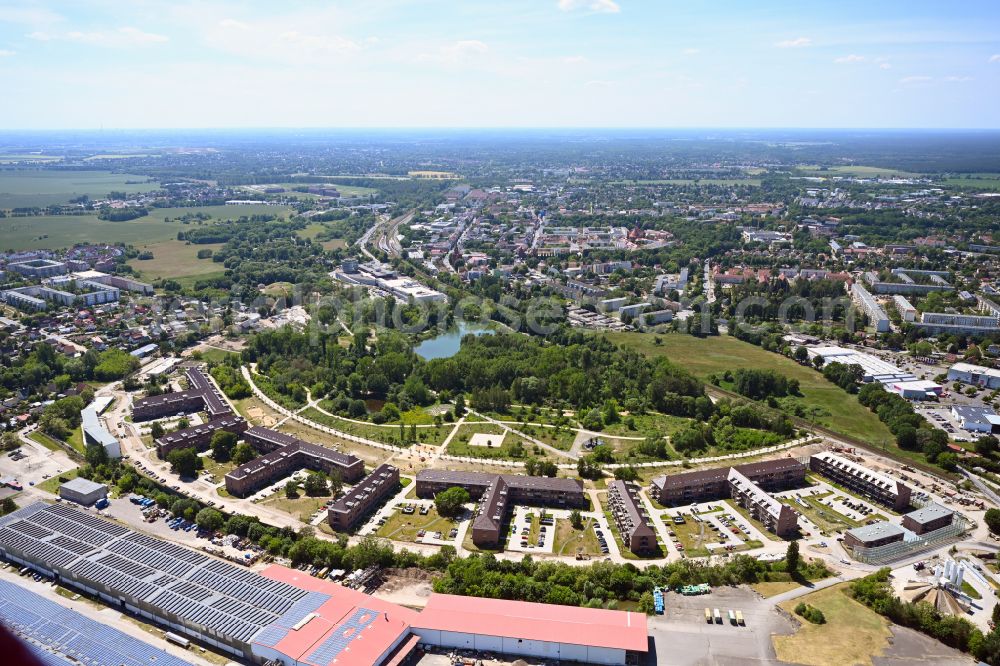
(682, 636)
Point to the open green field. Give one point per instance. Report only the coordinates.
(57, 231)
(975, 181)
(174, 259)
(825, 404)
(852, 634)
(345, 190)
(402, 527)
(51, 485)
(34, 158)
(23, 188)
(859, 171)
(752, 182)
(569, 541)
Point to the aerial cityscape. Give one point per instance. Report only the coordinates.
(499, 334)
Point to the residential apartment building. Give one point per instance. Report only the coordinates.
(630, 517)
(284, 454)
(859, 479)
(871, 307)
(776, 517)
(363, 498)
(198, 436)
(712, 484)
(202, 395)
(498, 493)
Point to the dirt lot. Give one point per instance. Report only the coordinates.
(409, 587)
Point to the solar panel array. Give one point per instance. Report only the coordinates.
(272, 634)
(172, 581)
(338, 641)
(56, 634)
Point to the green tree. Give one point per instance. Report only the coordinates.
(987, 445)
(992, 519)
(792, 558)
(209, 519)
(95, 455)
(8, 505)
(156, 430)
(184, 462)
(243, 453)
(291, 489)
(450, 502)
(316, 485)
(576, 520)
(223, 442)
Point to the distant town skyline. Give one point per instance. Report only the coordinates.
(542, 63)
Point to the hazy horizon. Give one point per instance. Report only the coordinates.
(573, 64)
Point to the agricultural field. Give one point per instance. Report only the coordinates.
(25, 188)
(823, 403)
(56, 231)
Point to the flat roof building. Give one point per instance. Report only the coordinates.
(928, 518)
(979, 375)
(280, 614)
(202, 395)
(548, 632)
(94, 432)
(872, 536)
(82, 491)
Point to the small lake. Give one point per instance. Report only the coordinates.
(447, 344)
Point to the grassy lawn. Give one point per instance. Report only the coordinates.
(51, 485)
(853, 634)
(76, 440)
(175, 259)
(772, 588)
(746, 514)
(569, 541)
(217, 469)
(693, 536)
(302, 507)
(823, 403)
(651, 422)
(214, 355)
(41, 438)
(823, 517)
(459, 445)
(387, 434)
(402, 527)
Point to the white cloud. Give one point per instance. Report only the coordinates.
(122, 37)
(233, 23)
(6, 53)
(28, 16)
(598, 84)
(796, 43)
(849, 59)
(885, 65)
(596, 6)
(462, 52)
(691, 52)
(995, 57)
(909, 80)
(318, 43)
(574, 59)
(957, 79)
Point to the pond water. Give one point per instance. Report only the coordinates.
(447, 344)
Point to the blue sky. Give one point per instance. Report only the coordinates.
(538, 63)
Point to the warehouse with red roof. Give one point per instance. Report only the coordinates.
(546, 631)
